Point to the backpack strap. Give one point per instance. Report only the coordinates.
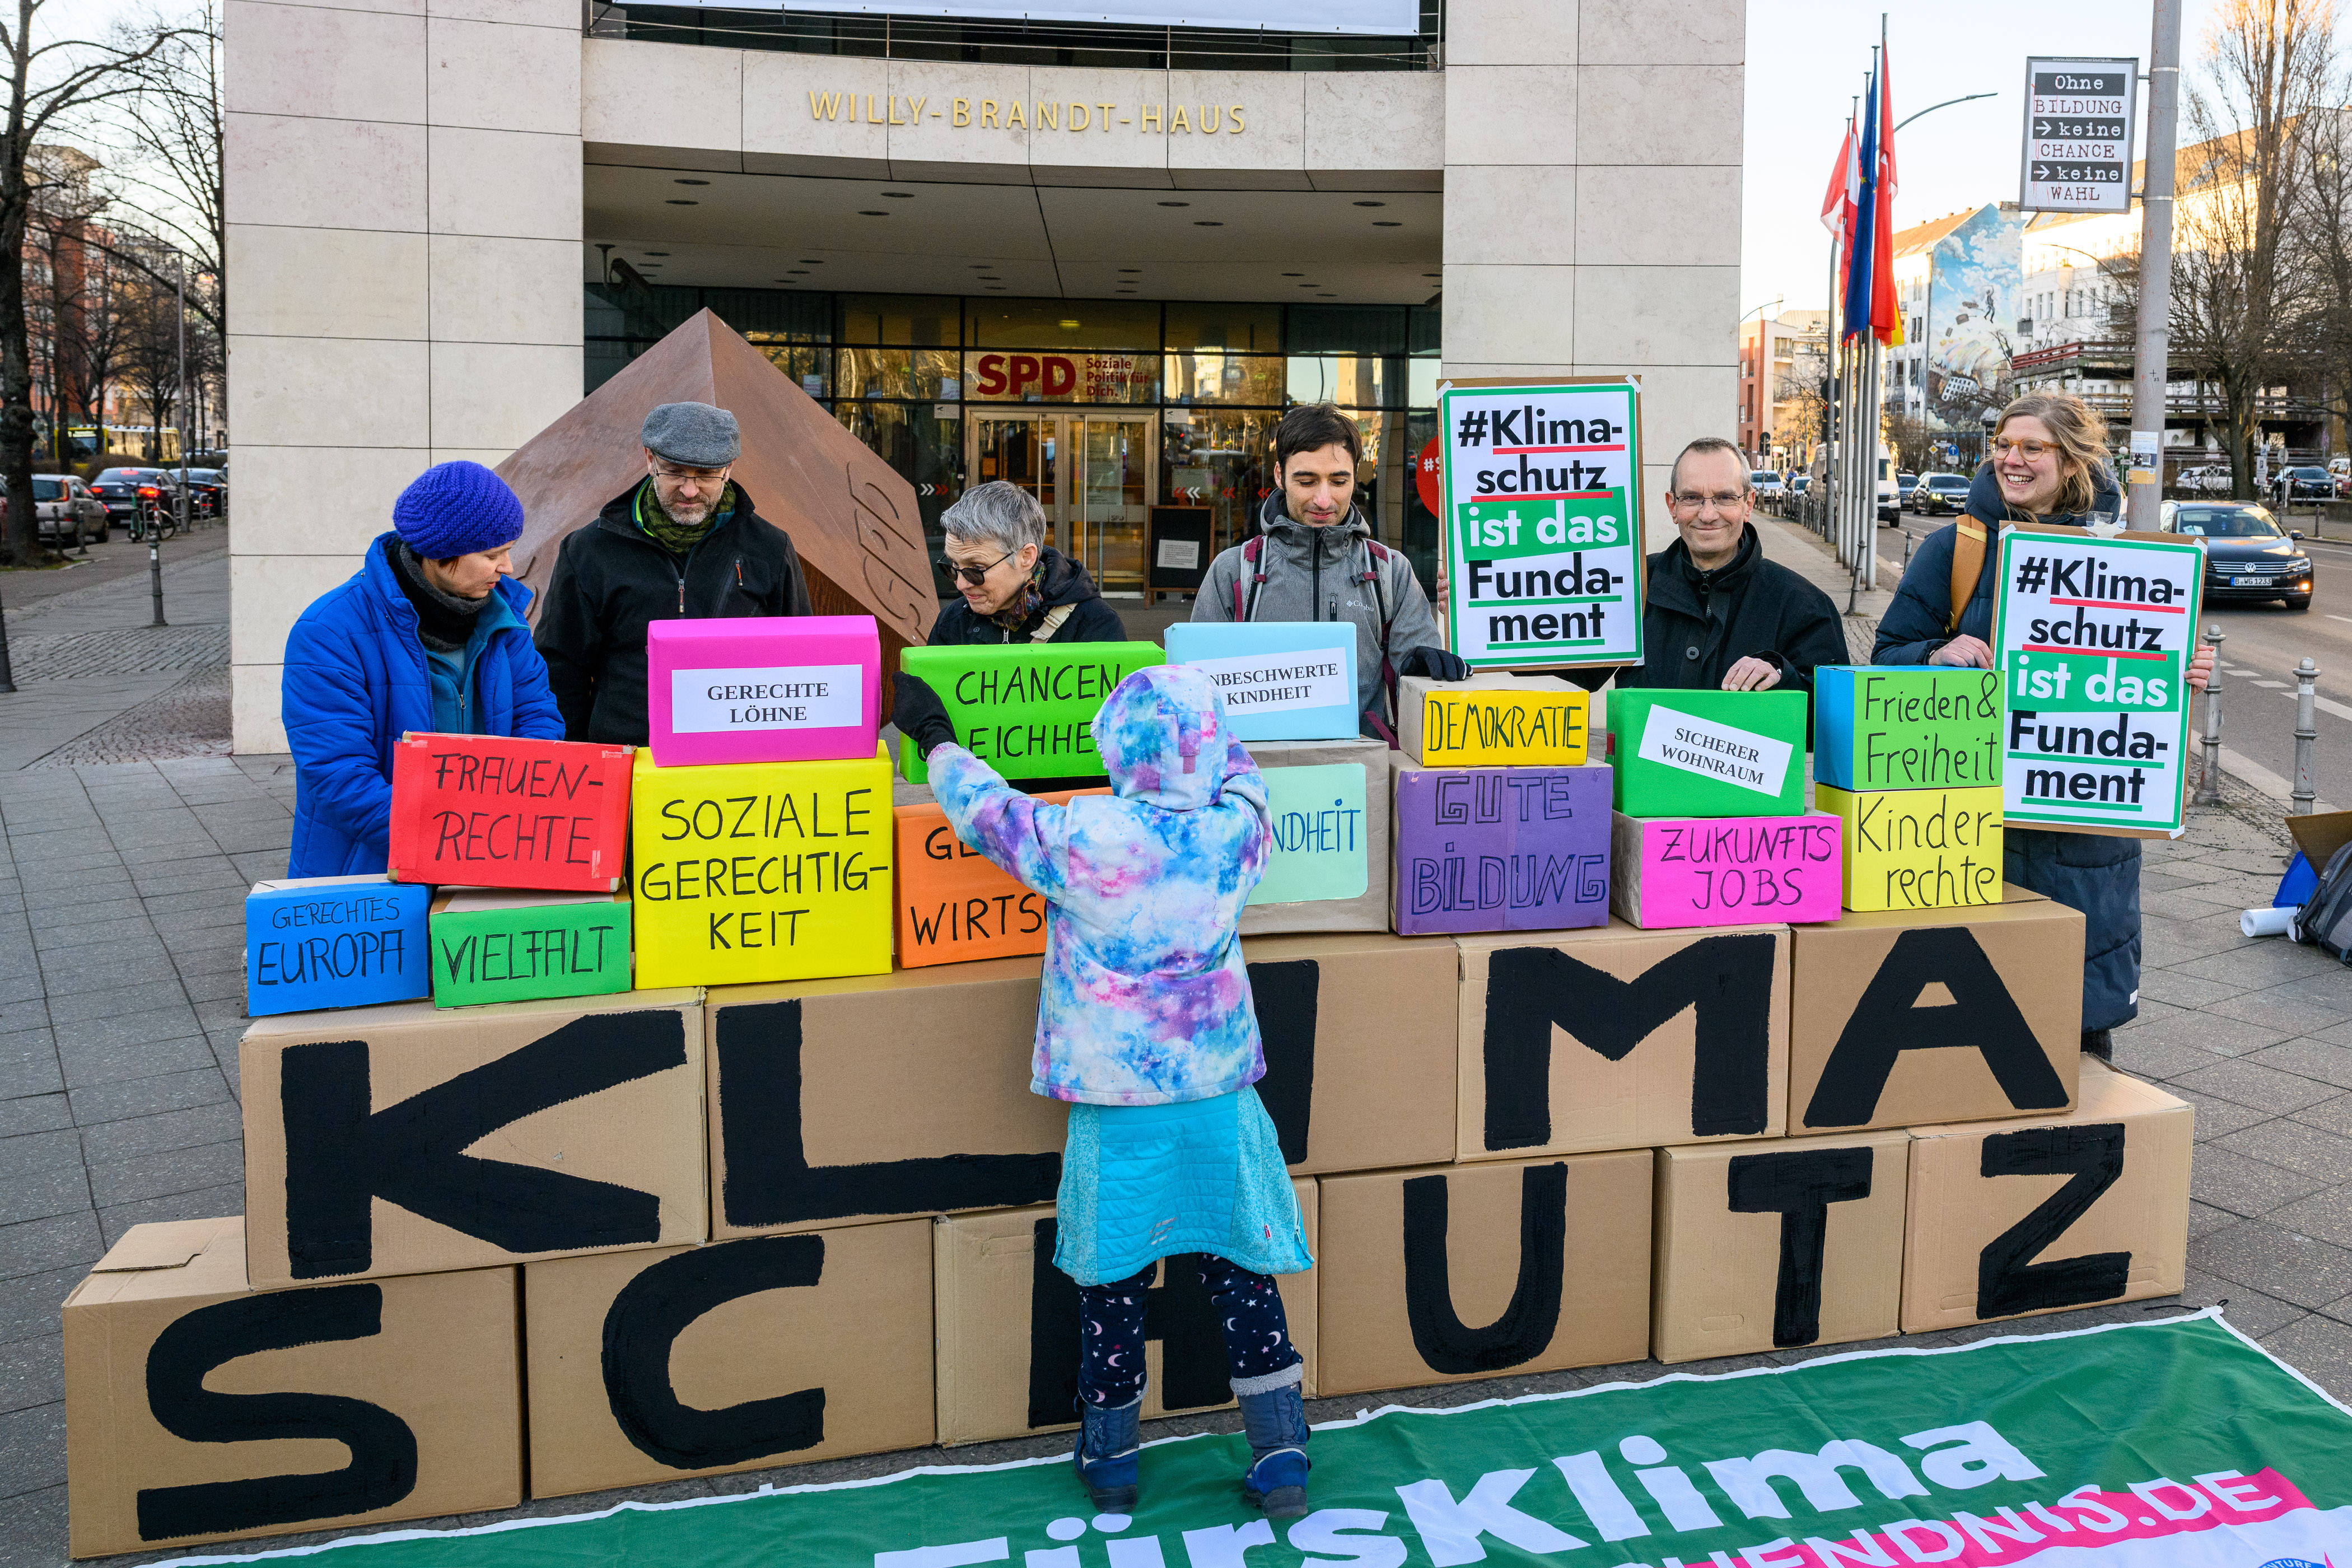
(1376, 556)
(1052, 623)
(1253, 557)
(1968, 566)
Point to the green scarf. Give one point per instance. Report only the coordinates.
(677, 537)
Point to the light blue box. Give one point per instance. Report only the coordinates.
(335, 942)
(1906, 727)
(1282, 681)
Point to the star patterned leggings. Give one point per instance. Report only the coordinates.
(1111, 1328)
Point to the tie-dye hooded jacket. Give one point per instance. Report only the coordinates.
(1145, 1000)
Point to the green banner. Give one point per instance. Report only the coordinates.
(2173, 1444)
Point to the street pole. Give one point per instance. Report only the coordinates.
(2152, 362)
(180, 419)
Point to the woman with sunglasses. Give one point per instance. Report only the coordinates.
(1015, 587)
(2048, 466)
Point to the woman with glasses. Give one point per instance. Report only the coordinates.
(1015, 586)
(2048, 466)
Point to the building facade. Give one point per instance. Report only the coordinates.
(1097, 262)
(1783, 367)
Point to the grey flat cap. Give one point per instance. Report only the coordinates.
(694, 433)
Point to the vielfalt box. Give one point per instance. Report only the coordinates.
(763, 689)
(1025, 709)
(1494, 719)
(494, 944)
(1669, 872)
(313, 942)
(1282, 681)
(497, 811)
(1927, 727)
(1709, 753)
(1918, 848)
(1499, 848)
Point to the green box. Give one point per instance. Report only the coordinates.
(1024, 708)
(1921, 726)
(496, 944)
(1707, 753)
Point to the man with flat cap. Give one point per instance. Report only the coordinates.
(682, 543)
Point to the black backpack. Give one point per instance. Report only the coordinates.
(2325, 921)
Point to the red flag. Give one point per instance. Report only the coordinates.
(1885, 314)
(1838, 201)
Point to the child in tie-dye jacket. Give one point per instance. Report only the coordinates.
(1144, 1024)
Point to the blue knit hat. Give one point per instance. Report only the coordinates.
(456, 509)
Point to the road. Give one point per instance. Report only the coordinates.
(2261, 645)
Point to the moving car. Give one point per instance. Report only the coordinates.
(1767, 482)
(125, 490)
(2247, 555)
(1939, 492)
(1907, 481)
(2306, 482)
(1890, 499)
(68, 512)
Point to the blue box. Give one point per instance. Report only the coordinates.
(335, 942)
(1929, 726)
(1282, 681)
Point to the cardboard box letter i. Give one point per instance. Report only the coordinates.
(1282, 681)
(497, 945)
(333, 941)
(492, 811)
(761, 870)
(768, 688)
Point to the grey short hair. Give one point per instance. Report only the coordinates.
(1712, 444)
(998, 514)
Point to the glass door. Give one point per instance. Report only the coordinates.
(1112, 490)
(1028, 449)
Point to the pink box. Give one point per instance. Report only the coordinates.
(768, 688)
(1669, 872)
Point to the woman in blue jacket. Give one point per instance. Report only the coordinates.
(427, 636)
(2049, 467)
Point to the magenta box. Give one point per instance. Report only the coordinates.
(1667, 872)
(764, 689)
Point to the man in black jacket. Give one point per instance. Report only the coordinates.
(682, 543)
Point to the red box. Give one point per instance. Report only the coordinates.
(492, 811)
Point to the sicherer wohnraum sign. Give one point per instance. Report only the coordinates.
(2093, 637)
(1543, 523)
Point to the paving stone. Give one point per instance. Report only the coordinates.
(32, 1448)
(2309, 1059)
(32, 1371)
(34, 1113)
(203, 1203)
(2296, 1146)
(2145, 1055)
(153, 1027)
(2327, 1215)
(2216, 1117)
(166, 1173)
(60, 1241)
(227, 985)
(2204, 1219)
(128, 1060)
(2273, 962)
(145, 996)
(2232, 1180)
(2267, 1257)
(2182, 990)
(147, 1096)
(2329, 1116)
(105, 912)
(2281, 1008)
(189, 1129)
(2203, 1031)
(2265, 1088)
(2249, 1310)
(28, 1064)
(42, 1193)
(2318, 1347)
(29, 1303)
(31, 1152)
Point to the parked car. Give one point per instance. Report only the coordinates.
(1937, 493)
(2208, 480)
(1906, 482)
(68, 512)
(125, 490)
(2247, 555)
(207, 492)
(1800, 484)
(1767, 482)
(210, 458)
(1890, 499)
(2306, 483)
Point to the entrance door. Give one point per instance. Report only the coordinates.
(1025, 449)
(1091, 473)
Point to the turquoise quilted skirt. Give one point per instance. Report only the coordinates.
(1140, 1183)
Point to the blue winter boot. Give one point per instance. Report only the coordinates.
(1275, 1420)
(1107, 1454)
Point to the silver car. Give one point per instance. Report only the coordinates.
(68, 513)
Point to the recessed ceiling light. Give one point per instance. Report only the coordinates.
(1372, 203)
(865, 212)
(1386, 222)
(797, 274)
(656, 253)
(806, 261)
(1208, 223)
(1068, 326)
(1433, 275)
(1131, 270)
(1310, 285)
(989, 278)
(1294, 275)
(900, 195)
(1326, 296)
(1175, 204)
(683, 202)
(689, 182)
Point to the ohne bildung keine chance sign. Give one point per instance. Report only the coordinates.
(2094, 637)
(1543, 524)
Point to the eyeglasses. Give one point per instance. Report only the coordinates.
(1686, 501)
(700, 475)
(975, 575)
(2032, 451)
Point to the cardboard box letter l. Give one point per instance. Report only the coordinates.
(763, 689)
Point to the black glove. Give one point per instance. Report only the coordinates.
(1435, 663)
(919, 714)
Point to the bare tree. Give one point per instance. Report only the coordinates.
(166, 178)
(2321, 224)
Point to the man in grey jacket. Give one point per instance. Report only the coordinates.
(1314, 560)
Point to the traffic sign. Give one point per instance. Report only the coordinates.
(2077, 156)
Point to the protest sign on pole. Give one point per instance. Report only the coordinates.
(1543, 522)
(2093, 637)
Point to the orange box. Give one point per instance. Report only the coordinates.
(954, 905)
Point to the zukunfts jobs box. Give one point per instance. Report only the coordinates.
(1932, 727)
(1709, 753)
(333, 941)
(500, 945)
(1025, 709)
(764, 689)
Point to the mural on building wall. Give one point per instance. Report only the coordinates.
(1972, 308)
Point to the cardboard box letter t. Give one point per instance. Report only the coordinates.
(761, 870)
(492, 945)
(1494, 720)
(1931, 727)
(334, 942)
(763, 689)
(1025, 709)
(1282, 681)
(199, 1409)
(1918, 848)
(1709, 753)
(492, 811)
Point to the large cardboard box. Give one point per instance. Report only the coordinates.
(1463, 1271)
(1281, 680)
(1493, 720)
(334, 942)
(1025, 709)
(750, 871)
(1924, 727)
(1620, 1038)
(1516, 848)
(497, 945)
(954, 904)
(1707, 753)
(406, 1139)
(763, 689)
(1918, 848)
(1911, 1016)
(1761, 1247)
(1667, 873)
(1328, 868)
(497, 811)
(2013, 1218)
(695, 1361)
(186, 1392)
(1008, 1328)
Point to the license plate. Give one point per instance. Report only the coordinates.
(2251, 582)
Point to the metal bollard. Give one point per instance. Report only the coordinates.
(2306, 735)
(2209, 786)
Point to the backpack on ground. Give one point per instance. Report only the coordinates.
(2325, 921)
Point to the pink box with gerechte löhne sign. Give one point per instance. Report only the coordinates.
(768, 688)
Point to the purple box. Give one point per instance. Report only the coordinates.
(1499, 848)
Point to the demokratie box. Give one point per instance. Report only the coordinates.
(1667, 872)
(1025, 709)
(492, 811)
(1709, 753)
(508, 946)
(1918, 848)
(1281, 680)
(1494, 720)
(1516, 848)
(334, 942)
(764, 689)
(954, 903)
(1930, 727)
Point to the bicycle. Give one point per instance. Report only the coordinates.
(154, 517)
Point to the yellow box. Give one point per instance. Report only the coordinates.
(1918, 849)
(747, 871)
(1494, 721)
